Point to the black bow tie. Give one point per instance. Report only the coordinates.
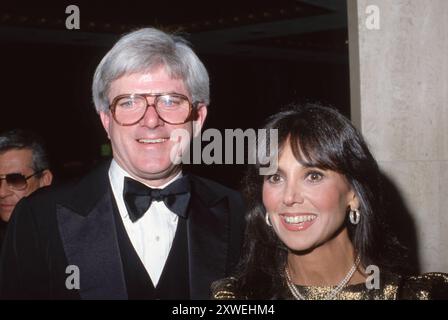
(138, 197)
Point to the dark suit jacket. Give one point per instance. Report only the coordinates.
(74, 225)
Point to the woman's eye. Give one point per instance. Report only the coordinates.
(275, 178)
(314, 176)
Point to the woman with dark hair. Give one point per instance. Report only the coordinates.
(316, 227)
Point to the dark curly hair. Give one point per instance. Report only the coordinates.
(319, 137)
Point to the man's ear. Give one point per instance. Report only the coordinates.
(46, 178)
(105, 120)
(198, 122)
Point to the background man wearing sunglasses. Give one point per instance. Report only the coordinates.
(24, 168)
(120, 238)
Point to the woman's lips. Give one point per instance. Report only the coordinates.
(297, 222)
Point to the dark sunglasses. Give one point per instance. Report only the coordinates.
(17, 181)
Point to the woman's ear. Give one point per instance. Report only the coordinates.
(354, 201)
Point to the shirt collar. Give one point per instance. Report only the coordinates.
(117, 175)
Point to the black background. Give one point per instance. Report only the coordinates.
(45, 85)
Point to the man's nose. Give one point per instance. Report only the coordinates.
(151, 118)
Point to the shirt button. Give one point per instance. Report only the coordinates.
(157, 238)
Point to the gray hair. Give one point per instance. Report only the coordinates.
(19, 139)
(144, 50)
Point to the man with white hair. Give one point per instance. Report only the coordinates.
(138, 227)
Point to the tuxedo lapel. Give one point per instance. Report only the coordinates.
(88, 235)
(208, 236)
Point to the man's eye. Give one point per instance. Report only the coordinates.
(126, 104)
(169, 102)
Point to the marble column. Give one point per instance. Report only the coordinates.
(399, 97)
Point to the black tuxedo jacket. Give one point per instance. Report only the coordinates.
(75, 225)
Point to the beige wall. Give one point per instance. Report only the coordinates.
(399, 96)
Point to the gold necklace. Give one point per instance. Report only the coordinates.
(330, 296)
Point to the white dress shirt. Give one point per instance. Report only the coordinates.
(152, 235)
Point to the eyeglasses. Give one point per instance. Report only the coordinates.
(129, 109)
(17, 181)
